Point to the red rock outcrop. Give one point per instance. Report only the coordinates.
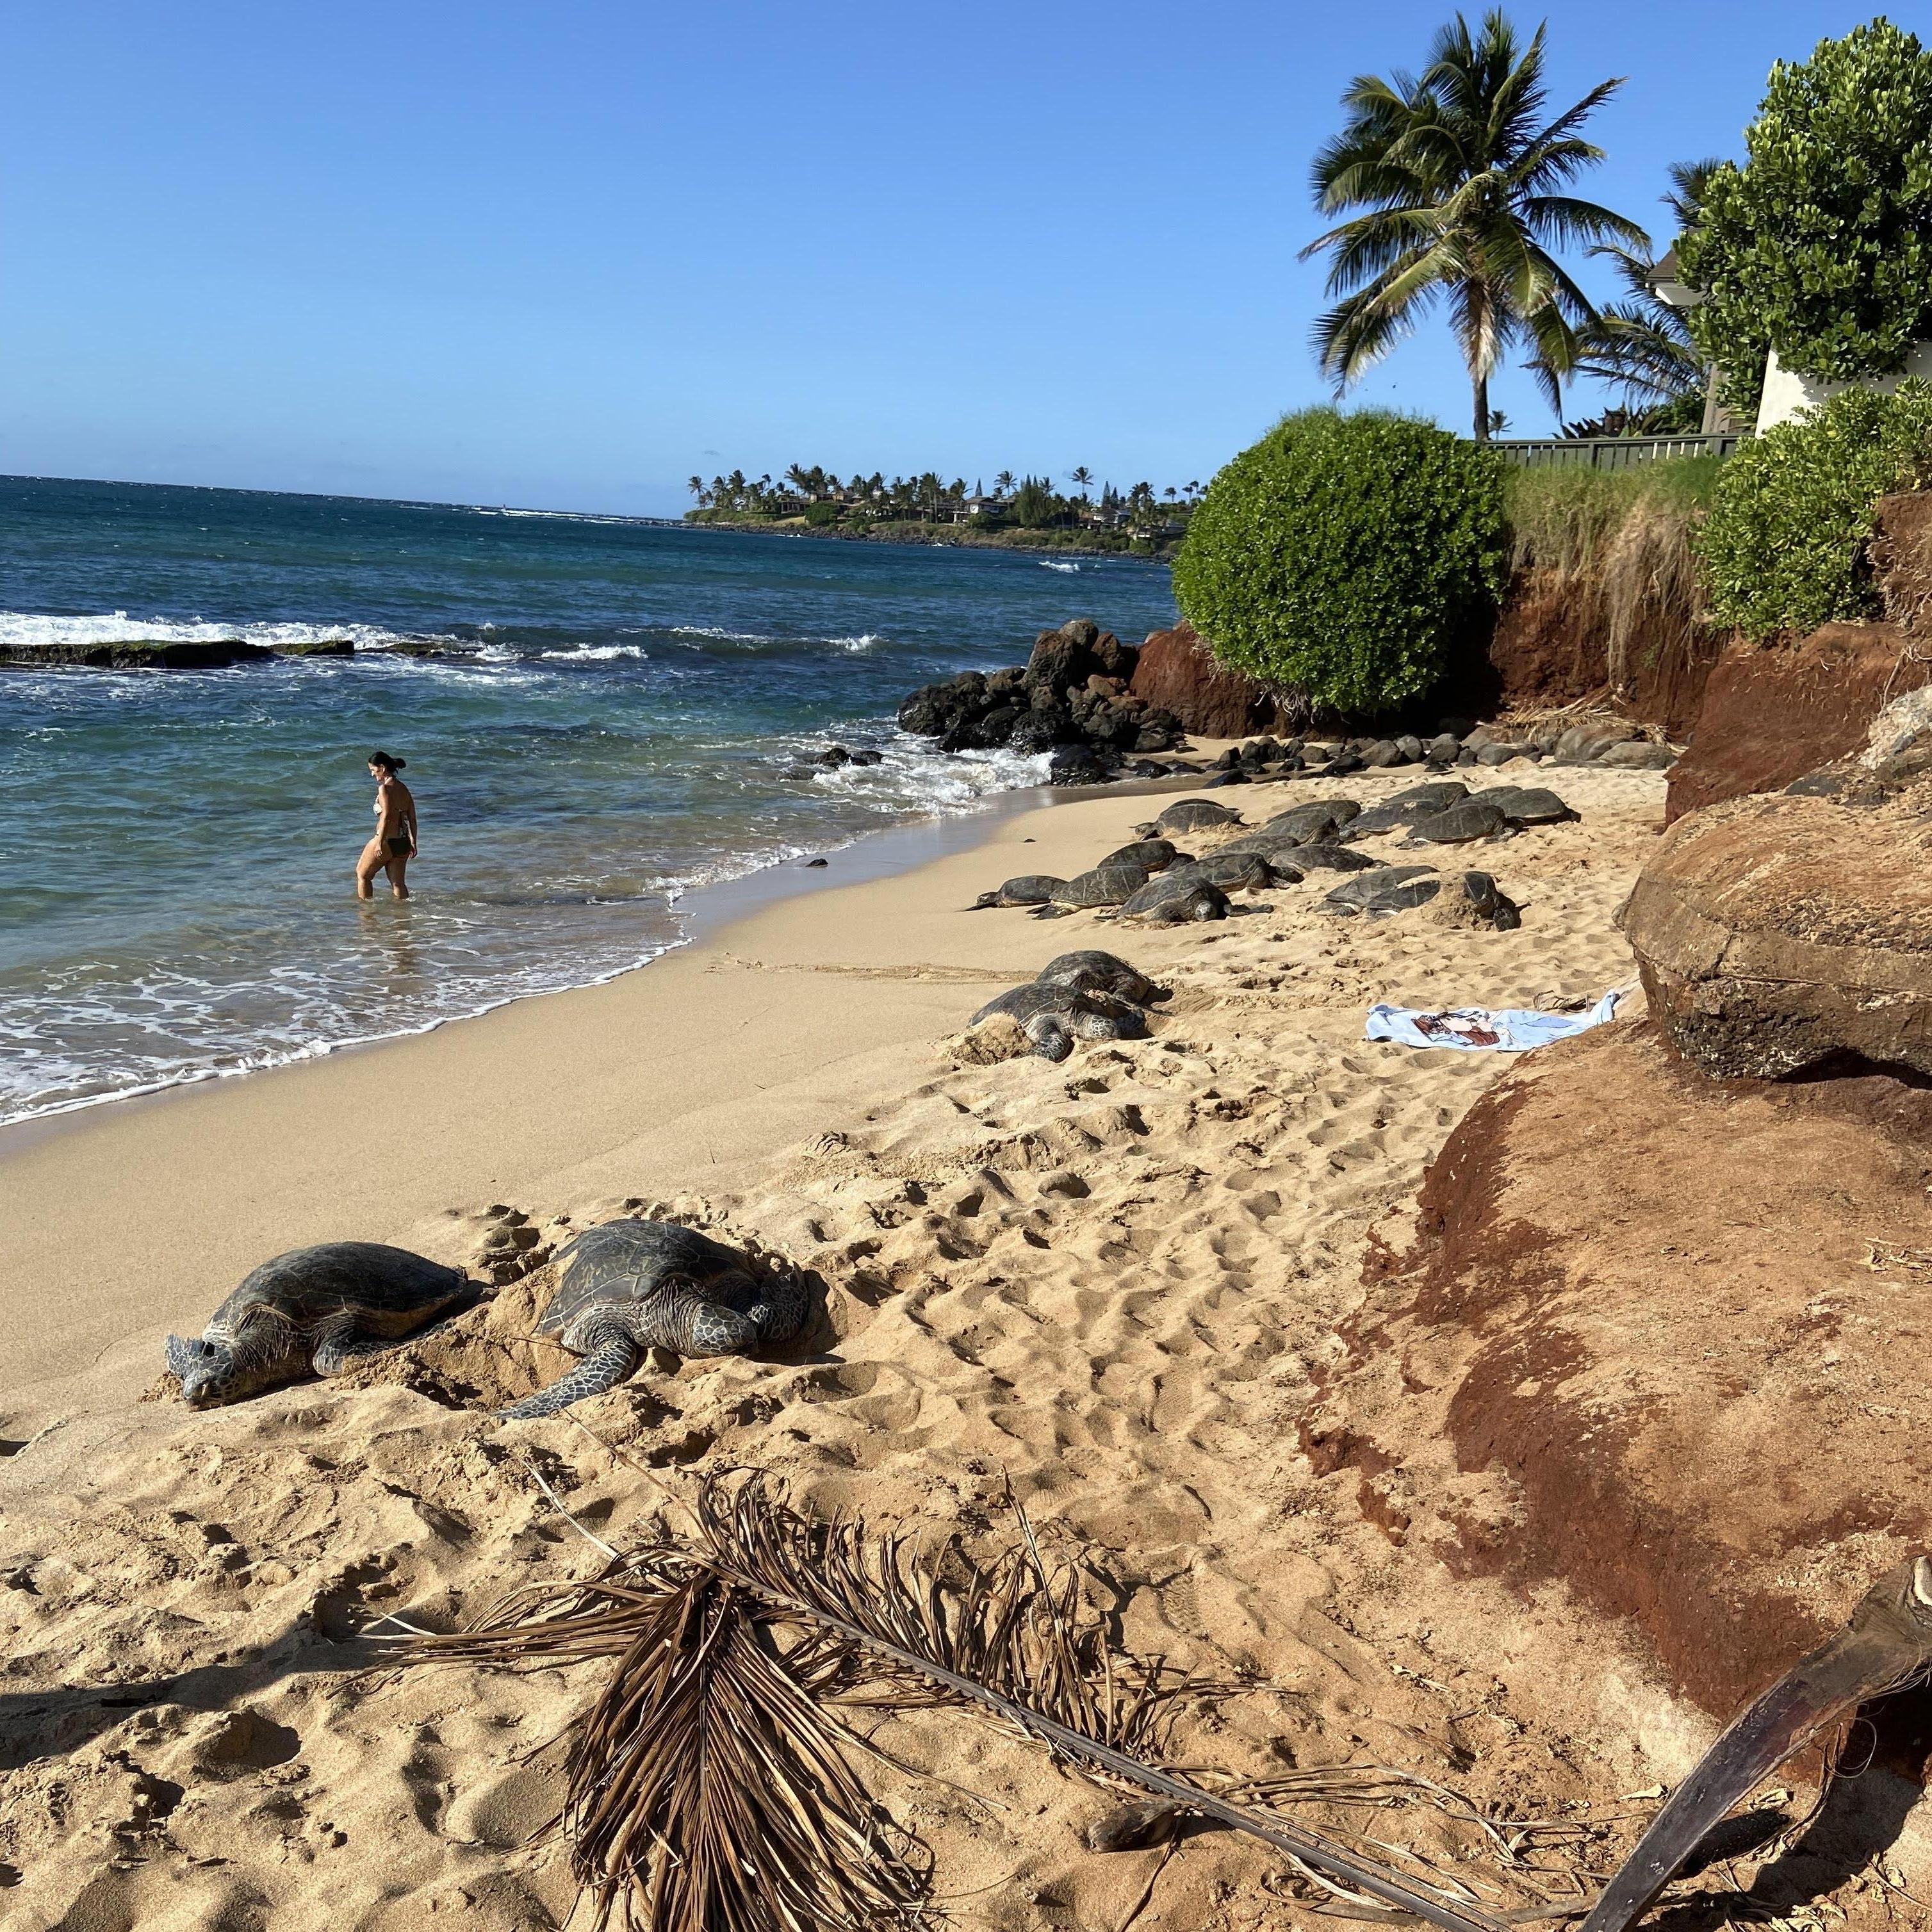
(1558, 638)
(1773, 712)
(1176, 672)
(1780, 936)
(1662, 1338)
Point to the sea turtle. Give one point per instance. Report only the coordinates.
(1104, 885)
(1197, 814)
(1093, 972)
(1029, 889)
(625, 1286)
(320, 1308)
(1053, 1016)
(1460, 825)
(1172, 901)
(1151, 855)
(1527, 805)
(1307, 824)
(1438, 795)
(1247, 870)
(1326, 858)
(1418, 802)
(1386, 889)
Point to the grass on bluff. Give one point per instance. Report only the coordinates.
(1622, 545)
(1567, 520)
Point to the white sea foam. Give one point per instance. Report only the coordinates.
(25, 629)
(1046, 565)
(597, 653)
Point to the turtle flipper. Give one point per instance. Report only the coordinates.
(1050, 1037)
(334, 1353)
(613, 1356)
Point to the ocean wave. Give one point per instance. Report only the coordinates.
(596, 653)
(1046, 564)
(23, 630)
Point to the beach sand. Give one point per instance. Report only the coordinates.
(1112, 1283)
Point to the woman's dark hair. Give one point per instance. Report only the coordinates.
(388, 764)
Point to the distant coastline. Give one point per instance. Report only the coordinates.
(1040, 542)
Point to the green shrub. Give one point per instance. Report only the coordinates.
(1349, 556)
(1821, 245)
(1783, 548)
(818, 516)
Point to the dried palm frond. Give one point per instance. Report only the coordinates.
(712, 1787)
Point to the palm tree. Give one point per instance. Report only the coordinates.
(1083, 476)
(1463, 182)
(1641, 345)
(695, 485)
(1003, 482)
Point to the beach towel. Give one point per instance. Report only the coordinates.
(1478, 1030)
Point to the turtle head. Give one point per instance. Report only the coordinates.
(209, 1373)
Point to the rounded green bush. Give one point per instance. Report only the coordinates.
(1783, 547)
(1348, 556)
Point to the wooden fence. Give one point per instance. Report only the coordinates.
(1610, 452)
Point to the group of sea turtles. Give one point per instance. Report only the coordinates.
(624, 1286)
(1155, 882)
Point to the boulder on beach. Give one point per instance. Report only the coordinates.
(1647, 1342)
(1779, 936)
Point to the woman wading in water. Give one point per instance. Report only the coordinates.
(395, 844)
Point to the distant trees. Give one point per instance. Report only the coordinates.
(1030, 501)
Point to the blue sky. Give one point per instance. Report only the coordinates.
(564, 254)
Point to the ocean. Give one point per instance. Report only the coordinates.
(610, 727)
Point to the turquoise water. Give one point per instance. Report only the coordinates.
(611, 726)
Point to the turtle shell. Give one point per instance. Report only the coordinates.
(1029, 889)
(1247, 870)
(1178, 900)
(1024, 1003)
(1197, 814)
(1150, 854)
(388, 1291)
(1094, 971)
(1105, 886)
(625, 1261)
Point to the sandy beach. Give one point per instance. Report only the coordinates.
(1112, 1282)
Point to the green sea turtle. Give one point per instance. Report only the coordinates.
(625, 1286)
(1527, 805)
(1054, 1016)
(1093, 972)
(1246, 870)
(1030, 888)
(1196, 815)
(1460, 825)
(321, 1307)
(1151, 855)
(1309, 824)
(1172, 901)
(1104, 885)
(1384, 888)
(1324, 857)
(1422, 801)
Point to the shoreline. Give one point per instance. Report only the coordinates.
(1111, 1289)
(187, 1152)
(706, 908)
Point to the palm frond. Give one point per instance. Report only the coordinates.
(712, 1787)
